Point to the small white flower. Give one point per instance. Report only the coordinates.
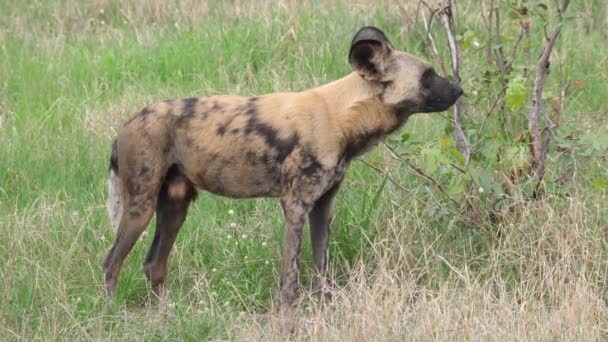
(236, 243)
(244, 236)
(214, 270)
(144, 234)
(213, 294)
(201, 302)
(230, 212)
(227, 303)
(101, 11)
(172, 305)
(476, 43)
(264, 244)
(232, 225)
(481, 190)
(229, 237)
(102, 238)
(246, 257)
(266, 262)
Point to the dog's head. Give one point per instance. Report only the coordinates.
(409, 84)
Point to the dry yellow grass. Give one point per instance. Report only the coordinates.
(560, 293)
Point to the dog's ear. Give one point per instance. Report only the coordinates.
(370, 52)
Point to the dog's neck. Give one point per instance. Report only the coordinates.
(362, 119)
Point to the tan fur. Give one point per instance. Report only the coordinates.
(296, 146)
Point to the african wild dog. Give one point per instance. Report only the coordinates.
(295, 146)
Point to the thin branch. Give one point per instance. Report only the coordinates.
(500, 97)
(540, 147)
(520, 35)
(527, 54)
(386, 174)
(488, 23)
(431, 40)
(421, 173)
(500, 55)
(448, 23)
(423, 36)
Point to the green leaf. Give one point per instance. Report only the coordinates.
(542, 6)
(483, 178)
(517, 94)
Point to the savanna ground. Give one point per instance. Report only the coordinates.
(408, 263)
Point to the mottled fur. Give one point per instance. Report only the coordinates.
(295, 146)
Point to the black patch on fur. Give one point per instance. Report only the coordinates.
(147, 110)
(358, 145)
(270, 136)
(426, 80)
(189, 106)
(252, 158)
(114, 158)
(311, 163)
(143, 171)
(216, 106)
(144, 113)
(221, 129)
(405, 108)
(267, 132)
(235, 131)
(312, 168)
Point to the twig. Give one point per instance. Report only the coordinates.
(500, 55)
(520, 35)
(424, 37)
(448, 23)
(540, 147)
(427, 28)
(385, 173)
(527, 54)
(488, 22)
(486, 117)
(421, 173)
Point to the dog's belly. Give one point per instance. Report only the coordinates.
(237, 175)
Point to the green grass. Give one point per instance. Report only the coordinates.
(67, 81)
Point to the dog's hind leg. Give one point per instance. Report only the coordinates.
(173, 201)
(141, 173)
(136, 217)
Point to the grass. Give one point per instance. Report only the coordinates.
(405, 265)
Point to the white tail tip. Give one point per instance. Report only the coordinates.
(114, 199)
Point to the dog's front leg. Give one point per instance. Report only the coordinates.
(295, 212)
(319, 219)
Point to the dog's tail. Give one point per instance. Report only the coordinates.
(114, 190)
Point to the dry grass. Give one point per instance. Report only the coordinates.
(542, 282)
